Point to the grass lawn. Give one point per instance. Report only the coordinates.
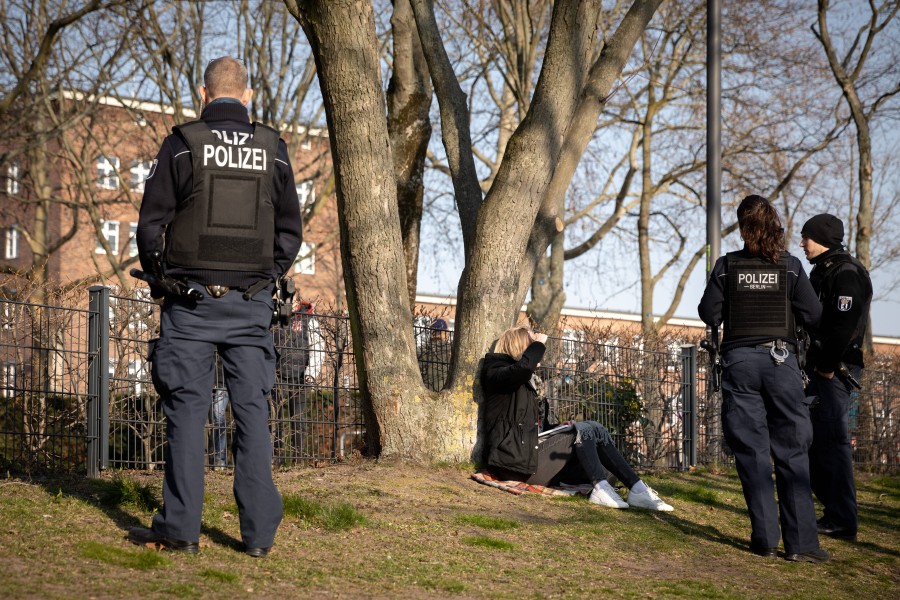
(365, 529)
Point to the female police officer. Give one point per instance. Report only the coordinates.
(762, 293)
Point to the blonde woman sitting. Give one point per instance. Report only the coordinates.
(512, 422)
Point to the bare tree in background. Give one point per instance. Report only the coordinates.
(69, 57)
(504, 234)
(859, 73)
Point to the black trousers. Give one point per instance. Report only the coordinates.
(183, 371)
(831, 453)
(765, 416)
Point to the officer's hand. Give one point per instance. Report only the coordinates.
(539, 337)
(825, 375)
(157, 292)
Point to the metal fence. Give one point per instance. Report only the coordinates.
(645, 398)
(44, 390)
(315, 408)
(76, 395)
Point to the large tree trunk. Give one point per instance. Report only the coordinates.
(409, 421)
(501, 251)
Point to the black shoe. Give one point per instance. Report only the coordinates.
(143, 536)
(840, 533)
(813, 556)
(764, 552)
(257, 552)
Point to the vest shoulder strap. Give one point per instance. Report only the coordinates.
(266, 136)
(194, 132)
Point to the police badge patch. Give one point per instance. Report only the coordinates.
(844, 303)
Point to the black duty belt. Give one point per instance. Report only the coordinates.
(217, 291)
(791, 347)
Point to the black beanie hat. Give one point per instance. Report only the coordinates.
(825, 229)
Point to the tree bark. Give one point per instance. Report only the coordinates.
(407, 420)
(548, 295)
(409, 103)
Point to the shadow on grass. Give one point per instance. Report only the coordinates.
(702, 531)
(115, 497)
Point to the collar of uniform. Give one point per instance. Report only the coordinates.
(225, 111)
(826, 256)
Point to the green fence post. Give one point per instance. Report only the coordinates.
(98, 381)
(689, 405)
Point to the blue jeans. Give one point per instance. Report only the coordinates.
(597, 453)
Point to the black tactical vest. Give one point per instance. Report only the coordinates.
(228, 221)
(757, 299)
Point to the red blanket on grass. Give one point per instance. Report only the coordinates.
(520, 487)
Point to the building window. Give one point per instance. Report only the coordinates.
(137, 372)
(7, 318)
(306, 192)
(132, 239)
(12, 179)
(140, 170)
(108, 172)
(8, 383)
(572, 345)
(306, 260)
(12, 242)
(306, 144)
(110, 232)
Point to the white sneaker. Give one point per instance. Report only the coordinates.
(606, 495)
(649, 500)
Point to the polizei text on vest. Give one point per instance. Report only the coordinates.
(758, 281)
(234, 155)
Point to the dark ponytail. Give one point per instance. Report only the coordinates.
(761, 228)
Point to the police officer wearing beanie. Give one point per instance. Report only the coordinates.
(835, 356)
(761, 293)
(221, 205)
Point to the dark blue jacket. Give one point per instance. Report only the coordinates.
(804, 303)
(171, 182)
(845, 289)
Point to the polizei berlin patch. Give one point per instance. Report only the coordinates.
(844, 303)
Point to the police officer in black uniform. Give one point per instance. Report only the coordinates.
(761, 292)
(834, 366)
(221, 205)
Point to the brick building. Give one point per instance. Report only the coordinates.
(79, 195)
(86, 185)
